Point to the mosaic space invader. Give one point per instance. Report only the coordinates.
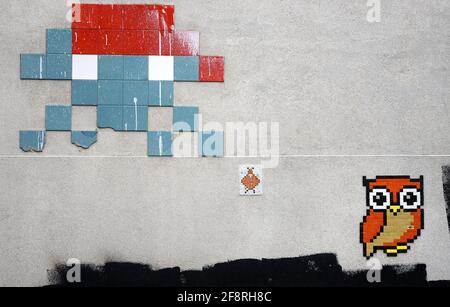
(250, 177)
(394, 218)
(123, 59)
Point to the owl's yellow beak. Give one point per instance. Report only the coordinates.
(394, 208)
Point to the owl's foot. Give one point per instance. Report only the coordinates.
(391, 251)
(395, 250)
(402, 248)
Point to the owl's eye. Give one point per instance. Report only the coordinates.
(410, 198)
(379, 199)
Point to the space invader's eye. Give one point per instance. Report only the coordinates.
(379, 199)
(410, 198)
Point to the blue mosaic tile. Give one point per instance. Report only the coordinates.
(59, 41)
(135, 93)
(211, 144)
(33, 66)
(32, 140)
(110, 117)
(136, 68)
(84, 139)
(84, 93)
(160, 93)
(110, 92)
(159, 144)
(186, 68)
(110, 67)
(185, 119)
(59, 66)
(58, 118)
(135, 118)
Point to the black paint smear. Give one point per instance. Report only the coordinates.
(307, 271)
(446, 182)
(117, 274)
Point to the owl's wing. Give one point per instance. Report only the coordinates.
(371, 226)
(414, 230)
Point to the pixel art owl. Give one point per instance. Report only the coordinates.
(394, 216)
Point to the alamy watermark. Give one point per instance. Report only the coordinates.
(73, 274)
(74, 13)
(374, 12)
(238, 139)
(374, 273)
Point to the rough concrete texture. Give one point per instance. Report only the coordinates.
(337, 84)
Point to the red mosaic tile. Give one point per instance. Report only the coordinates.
(185, 43)
(140, 17)
(85, 41)
(166, 19)
(111, 42)
(110, 16)
(165, 43)
(141, 42)
(212, 68)
(85, 16)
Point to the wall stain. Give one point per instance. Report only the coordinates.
(446, 183)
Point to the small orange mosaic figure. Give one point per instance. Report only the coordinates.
(394, 216)
(250, 180)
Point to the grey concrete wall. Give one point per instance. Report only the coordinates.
(342, 89)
